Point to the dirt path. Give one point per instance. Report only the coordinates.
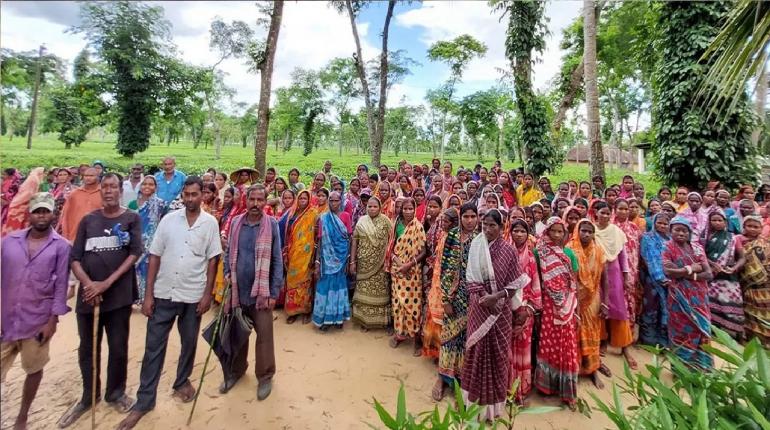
(324, 381)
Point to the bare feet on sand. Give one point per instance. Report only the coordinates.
(604, 370)
(597, 381)
(394, 342)
(185, 393)
(629, 359)
(438, 390)
(130, 421)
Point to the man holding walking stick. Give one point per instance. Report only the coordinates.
(107, 244)
(183, 265)
(254, 265)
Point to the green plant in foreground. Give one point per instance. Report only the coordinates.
(734, 396)
(458, 416)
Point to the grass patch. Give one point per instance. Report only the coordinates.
(49, 152)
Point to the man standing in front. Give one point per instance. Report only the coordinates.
(132, 184)
(183, 265)
(80, 202)
(34, 289)
(170, 181)
(254, 266)
(107, 245)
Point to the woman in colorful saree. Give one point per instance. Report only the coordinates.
(725, 256)
(151, 209)
(755, 280)
(524, 321)
(433, 309)
(298, 260)
(371, 300)
(653, 323)
(406, 252)
(495, 284)
(633, 237)
(689, 319)
(331, 306)
(612, 240)
(557, 355)
(454, 298)
(591, 283)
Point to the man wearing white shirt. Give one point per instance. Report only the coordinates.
(183, 263)
(132, 184)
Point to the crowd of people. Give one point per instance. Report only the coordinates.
(495, 275)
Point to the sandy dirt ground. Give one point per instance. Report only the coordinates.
(323, 381)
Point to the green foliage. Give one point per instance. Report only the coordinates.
(526, 33)
(730, 397)
(457, 53)
(691, 148)
(131, 38)
(738, 52)
(457, 416)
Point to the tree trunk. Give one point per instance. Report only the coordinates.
(759, 105)
(359, 62)
(379, 131)
(593, 135)
(215, 124)
(33, 111)
(575, 80)
(266, 77)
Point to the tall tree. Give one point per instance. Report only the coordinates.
(263, 59)
(525, 36)
(691, 146)
(457, 54)
(339, 78)
(596, 157)
(132, 39)
(229, 40)
(35, 93)
(375, 119)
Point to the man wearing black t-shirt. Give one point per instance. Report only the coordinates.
(108, 243)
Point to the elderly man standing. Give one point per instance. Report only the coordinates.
(183, 257)
(132, 184)
(34, 289)
(107, 245)
(170, 181)
(254, 266)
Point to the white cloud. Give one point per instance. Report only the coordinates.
(446, 20)
(311, 34)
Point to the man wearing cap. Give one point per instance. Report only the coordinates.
(132, 185)
(34, 296)
(170, 180)
(80, 202)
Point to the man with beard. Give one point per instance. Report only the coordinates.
(107, 245)
(183, 264)
(34, 289)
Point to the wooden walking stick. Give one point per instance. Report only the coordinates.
(225, 298)
(93, 365)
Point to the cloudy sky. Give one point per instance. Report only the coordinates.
(311, 35)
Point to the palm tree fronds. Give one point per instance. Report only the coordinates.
(737, 54)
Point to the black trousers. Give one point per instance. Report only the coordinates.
(116, 324)
(158, 328)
